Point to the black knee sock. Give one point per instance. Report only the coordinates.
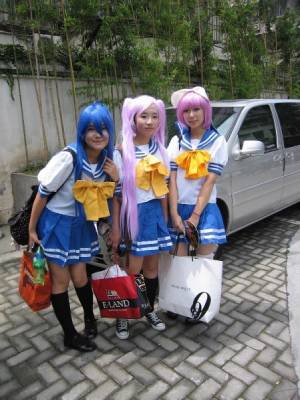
(151, 286)
(85, 296)
(61, 306)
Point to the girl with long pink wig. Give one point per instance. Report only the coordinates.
(131, 108)
(140, 217)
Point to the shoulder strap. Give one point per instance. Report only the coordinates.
(73, 153)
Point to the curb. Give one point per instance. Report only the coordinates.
(293, 279)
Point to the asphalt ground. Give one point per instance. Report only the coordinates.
(250, 351)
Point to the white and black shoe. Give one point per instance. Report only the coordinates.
(155, 321)
(122, 329)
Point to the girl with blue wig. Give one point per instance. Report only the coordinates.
(65, 211)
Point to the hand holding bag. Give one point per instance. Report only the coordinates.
(190, 286)
(120, 295)
(36, 296)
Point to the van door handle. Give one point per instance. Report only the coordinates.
(290, 155)
(278, 157)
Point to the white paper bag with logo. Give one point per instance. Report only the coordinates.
(110, 272)
(190, 286)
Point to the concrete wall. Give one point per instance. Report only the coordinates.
(21, 187)
(14, 132)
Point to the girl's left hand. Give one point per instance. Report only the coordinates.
(111, 169)
(194, 219)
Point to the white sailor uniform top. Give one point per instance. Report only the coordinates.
(211, 228)
(153, 235)
(67, 238)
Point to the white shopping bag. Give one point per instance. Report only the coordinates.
(111, 272)
(190, 286)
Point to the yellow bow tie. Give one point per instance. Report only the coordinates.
(151, 172)
(194, 162)
(93, 196)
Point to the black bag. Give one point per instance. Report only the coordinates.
(19, 221)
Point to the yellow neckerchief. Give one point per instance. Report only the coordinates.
(93, 196)
(194, 162)
(151, 172)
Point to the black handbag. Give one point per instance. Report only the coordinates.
(19, 221)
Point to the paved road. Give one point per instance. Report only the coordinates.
(245, 354)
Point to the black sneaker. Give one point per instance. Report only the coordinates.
(122, 329)
(155, 321)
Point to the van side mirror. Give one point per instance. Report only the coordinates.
(250, 148)
(253, 148)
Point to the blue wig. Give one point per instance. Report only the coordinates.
(98, 115)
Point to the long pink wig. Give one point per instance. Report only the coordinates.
(192, 100)
(132, 107)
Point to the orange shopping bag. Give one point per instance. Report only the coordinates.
(36, 296)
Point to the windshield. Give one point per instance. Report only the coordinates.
(224, 119)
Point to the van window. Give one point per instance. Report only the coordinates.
(259, 125)
(224, 118)
(289, 117)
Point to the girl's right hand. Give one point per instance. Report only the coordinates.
(33, 239)
(177, 223)
(111, 169)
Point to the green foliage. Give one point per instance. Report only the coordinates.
(160, 45)
(11, 54)
(288, 36)
(33, 167)
(243, 50)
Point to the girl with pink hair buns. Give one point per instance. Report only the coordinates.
(197, 157)
(140, 216)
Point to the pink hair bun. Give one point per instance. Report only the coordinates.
(178, 95)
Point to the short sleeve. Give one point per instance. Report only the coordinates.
(119, 163)
(55, 173)
(173, 151)
(219, 156)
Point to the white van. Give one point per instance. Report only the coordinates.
(263, 171)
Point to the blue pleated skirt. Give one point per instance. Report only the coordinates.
(211, 228)
(67, 240)
(153, 236)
